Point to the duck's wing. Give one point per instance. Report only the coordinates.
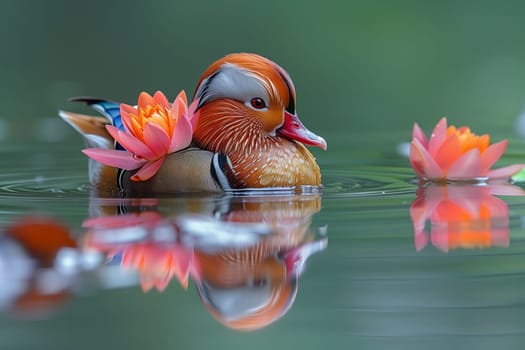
(92, 129)
(94, 133)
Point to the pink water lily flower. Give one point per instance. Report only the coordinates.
(457, 154)
(154, 129)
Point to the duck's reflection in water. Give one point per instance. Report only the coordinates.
(244, 254)
(251, 287)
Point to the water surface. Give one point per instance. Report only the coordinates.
(364, 280)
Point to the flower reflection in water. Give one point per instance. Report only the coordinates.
(462, 216)
(245, 254)
(143, 242)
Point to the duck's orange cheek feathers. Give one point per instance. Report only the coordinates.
(271, 119)
(220, 123)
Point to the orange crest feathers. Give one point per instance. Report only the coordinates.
(265, 69)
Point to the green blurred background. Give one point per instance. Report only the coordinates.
(357, 65)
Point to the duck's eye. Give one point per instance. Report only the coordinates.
(257, 103)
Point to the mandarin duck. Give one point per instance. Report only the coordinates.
(245, 133)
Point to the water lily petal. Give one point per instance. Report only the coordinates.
(119, 159)
(492, 154)
(431, 197)
(438, 136)
(125, 111)
(148, 170)
(182, 135)
(505, 189)
(419, 211)
(178, 108)
(131, 143)
(418, 134)
(136, 128)
(424, 165)
(440, 237)
(180, 104)
(161, 99)
(145, 99)
(468, 166)
(193, 114)
(182, 96)
(420, 240)
(146, 283)
(499, 210)
(162, 283)
(505, 172)
(467, 199)
(449, 152)
(181, 265)
(156, 139)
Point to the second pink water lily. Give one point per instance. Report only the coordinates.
(153, 129)
(457, 154)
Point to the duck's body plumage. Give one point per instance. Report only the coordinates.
(246, 134)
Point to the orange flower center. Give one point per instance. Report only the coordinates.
(155, 114)
(468, 140)
(467, 230)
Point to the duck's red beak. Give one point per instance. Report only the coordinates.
(293, 129)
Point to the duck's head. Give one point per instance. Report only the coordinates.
(247, 93)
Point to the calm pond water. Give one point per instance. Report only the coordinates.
(372, 263)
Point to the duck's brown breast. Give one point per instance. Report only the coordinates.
(282, 163)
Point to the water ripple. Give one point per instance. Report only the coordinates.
(368, 181)
(24, 183)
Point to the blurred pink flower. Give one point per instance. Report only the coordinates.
(146, 243)
(457, 154)
(462, 216)
(158, 264)
(154, 129)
